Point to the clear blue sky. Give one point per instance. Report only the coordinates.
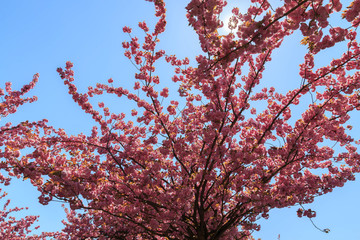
(41, 35)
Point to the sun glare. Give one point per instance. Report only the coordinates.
(227, 14)
(225, 29)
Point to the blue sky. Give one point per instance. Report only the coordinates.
(40, 35)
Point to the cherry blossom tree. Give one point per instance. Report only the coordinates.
(205, 164)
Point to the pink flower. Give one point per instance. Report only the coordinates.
(171, 110)
(143, 26)
(134, 112)
(126, 30)
(164, 92)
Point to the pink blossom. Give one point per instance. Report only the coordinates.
(126, 30)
